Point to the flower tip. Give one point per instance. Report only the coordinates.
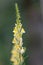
(23, 31)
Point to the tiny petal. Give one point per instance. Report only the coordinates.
(17, 47)
(15, 30)
(22, 60)
(21, 42)
(14, 41)
(22, 50)
(22, 31)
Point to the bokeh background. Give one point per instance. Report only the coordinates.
(30, 12)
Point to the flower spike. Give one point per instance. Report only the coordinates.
(18, 49)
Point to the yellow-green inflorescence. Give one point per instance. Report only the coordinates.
(18, 49)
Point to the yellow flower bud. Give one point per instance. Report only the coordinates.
(22, 31)
(22, 50)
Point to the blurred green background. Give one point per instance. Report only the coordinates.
(7, 22)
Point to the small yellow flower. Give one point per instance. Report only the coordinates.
(19, 27)
(17, 47)
(18, 36)
(16, 62)
(15, 53)
(14, 56)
